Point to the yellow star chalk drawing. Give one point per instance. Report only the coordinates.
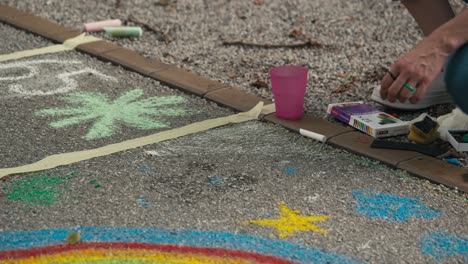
(291, 221)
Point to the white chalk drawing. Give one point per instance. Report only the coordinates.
(30, 66)
(70, 83)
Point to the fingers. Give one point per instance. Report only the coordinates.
(396, 87)
(384, 85)
(393, 87)
(419, 92)
(405, 93)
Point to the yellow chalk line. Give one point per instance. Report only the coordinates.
(56, 160)
(69, 44)
(130, 255)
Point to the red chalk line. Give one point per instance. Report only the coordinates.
(218, 252)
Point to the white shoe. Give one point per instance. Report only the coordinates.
(436, 94)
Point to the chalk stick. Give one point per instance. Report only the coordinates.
(100, 25)
(313, 135)
(124, 31)
(454, 161)
(465, 138)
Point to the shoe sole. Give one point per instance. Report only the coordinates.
(426, 102)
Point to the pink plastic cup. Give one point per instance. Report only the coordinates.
(289, 86)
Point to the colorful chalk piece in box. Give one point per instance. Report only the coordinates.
(465, 138)
(457, 139)
(124, 31)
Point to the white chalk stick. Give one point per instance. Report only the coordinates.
(313, 135)
(99, 26)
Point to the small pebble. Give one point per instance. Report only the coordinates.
(73, 238)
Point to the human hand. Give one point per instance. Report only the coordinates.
(418, 68)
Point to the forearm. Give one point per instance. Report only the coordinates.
(452, 34)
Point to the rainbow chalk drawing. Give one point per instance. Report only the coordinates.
(442, 245)
(124, 110)
(70, 84)
(291, 221)
(391, 208)
(148, 245)
(45, 188)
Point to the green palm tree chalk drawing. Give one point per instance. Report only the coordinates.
(125, 110)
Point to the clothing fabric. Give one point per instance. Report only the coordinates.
(456, 77)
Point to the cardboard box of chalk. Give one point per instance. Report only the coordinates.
(368, 119)
(456, 138)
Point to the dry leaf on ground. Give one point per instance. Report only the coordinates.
(259, 84)
(296, 33)
(345, 87)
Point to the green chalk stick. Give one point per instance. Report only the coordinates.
(465, 138)
(124, 31)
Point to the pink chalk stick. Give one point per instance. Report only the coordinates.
(99, 26)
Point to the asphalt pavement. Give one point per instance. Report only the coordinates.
(251, 181)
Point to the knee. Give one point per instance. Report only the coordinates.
(456, 77)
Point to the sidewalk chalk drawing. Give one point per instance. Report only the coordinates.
(291, 170)
(108, 114)
(442, 245)
(32, 70)
(242, 142)
(41, 189)
(291, 221)
(391, 208)
(70, 84)
(148, 245)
